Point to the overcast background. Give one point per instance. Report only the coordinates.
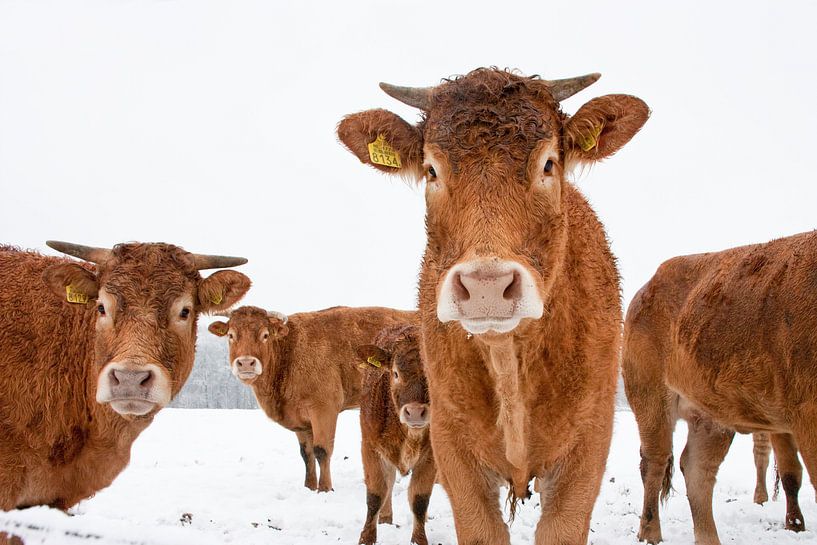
(211, 125)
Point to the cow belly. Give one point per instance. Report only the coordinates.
(739, 395)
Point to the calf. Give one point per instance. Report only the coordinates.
(394, 419)
(519, 293)
(303, 369)
(725, 340)
(89, 354)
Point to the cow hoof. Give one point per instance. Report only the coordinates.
(650, 535)
(795, 524)
(419, 540)
(385, 519)
(761, 498)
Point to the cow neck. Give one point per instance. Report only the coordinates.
(503, 366)
(272, 384)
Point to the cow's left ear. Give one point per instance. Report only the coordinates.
(385, 141)
(221, 290)
(219, 329)
(373, 356)
(72, 282)
(601, 127)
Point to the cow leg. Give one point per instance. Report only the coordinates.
(791, 475)
(323, 433)
(376, 474)
(423, 476)
(761, 449)
(707, 445)
(386, 515)
(570, 489)
(308, 456)
(474, 495)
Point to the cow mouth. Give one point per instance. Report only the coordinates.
(478, 326)
(247, 375)
(133, 407)
(416, 425)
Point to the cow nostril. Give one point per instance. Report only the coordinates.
(147, 380)
(460, 291)
(113, 378)
(514, 290)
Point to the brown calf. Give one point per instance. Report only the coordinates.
(725, 340)
(303, 369)
(89, 354)
(519, 294)
(394, 418)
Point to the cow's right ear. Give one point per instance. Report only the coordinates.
(373, 356)
(219, 329)
(384, 141)
(72, 282)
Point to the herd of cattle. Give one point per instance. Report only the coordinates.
(507, 371)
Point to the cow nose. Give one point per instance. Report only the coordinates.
(415, 414)
(245, 363)
(496, 289)
(132, 380)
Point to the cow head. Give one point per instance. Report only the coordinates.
(495, 150)
(396, 351)
(147, 298)
(253, 334)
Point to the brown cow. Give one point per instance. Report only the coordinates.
(725, 340)
(519, 293)
(89, 354)
(394, 418)
(303, 369)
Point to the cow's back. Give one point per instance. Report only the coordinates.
(320, 349)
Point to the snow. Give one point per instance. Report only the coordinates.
(233, 477)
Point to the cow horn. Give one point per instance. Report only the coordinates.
(566, 88)
(203, 261)
(280, 315)
(87, 253)
(419, 97)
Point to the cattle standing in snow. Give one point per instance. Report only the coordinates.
(519, 293)
(303, 369)
(89, 354)
(725, 340)
(394, 418)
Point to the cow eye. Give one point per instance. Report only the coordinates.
(431, 173)
(396, 376)
(230, 336)
(184, 313)
(548, 166)
(265, 336)
(101, 310)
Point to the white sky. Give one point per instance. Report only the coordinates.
(210, 124)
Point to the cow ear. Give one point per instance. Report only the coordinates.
(72, 282)
(373, 356)
(601, 127)
(221, 290)
(277, 328)
(219, 329)
(384, 141)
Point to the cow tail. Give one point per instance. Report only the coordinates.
(666, 485)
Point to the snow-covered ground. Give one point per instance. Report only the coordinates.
(201, 477)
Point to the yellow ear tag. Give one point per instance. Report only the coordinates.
(374, 361)
(73, 295)
(381, 153)
(217, 299)
(588, 142)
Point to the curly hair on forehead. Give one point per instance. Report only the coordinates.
(488, 107)
(389, 337)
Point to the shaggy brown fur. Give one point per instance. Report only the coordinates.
(725, 340)
(387, 443)
(537, 401)
(57, 444)
(310, 371)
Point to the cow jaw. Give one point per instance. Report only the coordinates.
(133, 389)
(489, 295)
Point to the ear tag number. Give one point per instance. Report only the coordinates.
(216, 299)
(374, 362)
(589, 141)
(381, 153)
(73, 295)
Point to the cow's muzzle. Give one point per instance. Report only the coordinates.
(246, 368)
(489, 295)
(415, 415)
(133, 389)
